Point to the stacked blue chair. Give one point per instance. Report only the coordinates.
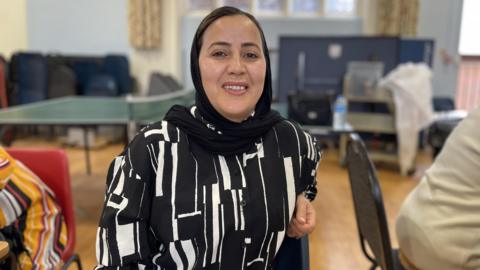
(117, 66)
(31, 77)
(84, 70)
(101, 85)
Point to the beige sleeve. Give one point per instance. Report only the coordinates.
(438, 226)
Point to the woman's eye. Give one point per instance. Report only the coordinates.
(219, 54)
(251, 55)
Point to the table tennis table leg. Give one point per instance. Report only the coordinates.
(131, 130)
(87, 149)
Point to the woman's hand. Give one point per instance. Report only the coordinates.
(303, 221)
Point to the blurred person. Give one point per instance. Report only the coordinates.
(439, 223)
(30, 219)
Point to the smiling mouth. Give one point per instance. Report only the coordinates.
(235, 87)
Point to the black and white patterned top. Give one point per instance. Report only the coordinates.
(169, 204)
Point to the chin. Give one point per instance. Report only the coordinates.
(235, 117)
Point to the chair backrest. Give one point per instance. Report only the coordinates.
(443, 104)
(293, 254)
(51, 166)
(31, 75)
(368, 203)
(173, 83)
(160, 84)
(101, 85)
(84, 69)
(61, 78)
(118, 67)
(311, 108)
(3, 84)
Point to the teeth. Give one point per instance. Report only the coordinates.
(234, 87)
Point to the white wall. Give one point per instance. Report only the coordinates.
(98, 27)
(13, 26)
(440, 20)
(78, 27)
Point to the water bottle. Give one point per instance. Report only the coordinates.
(340, 113)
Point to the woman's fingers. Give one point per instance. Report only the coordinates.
(303, 221)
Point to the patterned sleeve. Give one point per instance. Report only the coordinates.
(311, 159)
(124, 239)
(13, 204)
(13, 201)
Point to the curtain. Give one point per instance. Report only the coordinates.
(397, 17)
(144, 23)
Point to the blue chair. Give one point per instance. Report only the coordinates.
(101, 85)
(84, 70)
(443, 104)
(293, 255)
(31, 77)
(117, 66)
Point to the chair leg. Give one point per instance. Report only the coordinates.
(398, 261)
(73, 259)
(9, 262)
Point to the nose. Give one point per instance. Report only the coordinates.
(236, 65)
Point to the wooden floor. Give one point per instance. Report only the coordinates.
(334, 244)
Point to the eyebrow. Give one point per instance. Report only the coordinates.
(224, 43)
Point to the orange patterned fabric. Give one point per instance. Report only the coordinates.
(397, 17)
(29, 205)
(144, 23)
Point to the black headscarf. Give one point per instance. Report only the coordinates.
(223, 136)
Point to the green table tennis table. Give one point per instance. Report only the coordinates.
(129, 112)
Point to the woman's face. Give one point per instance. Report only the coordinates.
(232, 66)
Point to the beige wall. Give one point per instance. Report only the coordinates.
(13, 26)
(367, 10)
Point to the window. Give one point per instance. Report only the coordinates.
(330, 8)
(469, 38)
(195, 5)
(272, 7)
(305, 6)
(468, 85)
(240, 4)
(340, 7)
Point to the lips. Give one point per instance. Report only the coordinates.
(235, 88)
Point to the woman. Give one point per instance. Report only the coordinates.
(213, 186)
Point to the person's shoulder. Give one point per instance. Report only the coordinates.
(294, 141)
(288, 127)
(287, 131)
(160, 131)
